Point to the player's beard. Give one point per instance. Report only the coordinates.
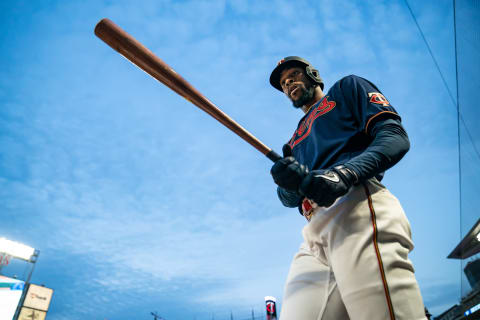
(305, 98)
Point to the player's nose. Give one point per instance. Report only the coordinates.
(287, 83)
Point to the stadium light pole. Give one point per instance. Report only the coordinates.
(33, 261)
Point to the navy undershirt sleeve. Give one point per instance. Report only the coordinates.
(390, 143)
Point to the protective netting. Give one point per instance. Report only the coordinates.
(467, 32)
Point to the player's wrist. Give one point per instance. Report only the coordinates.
(347, 174)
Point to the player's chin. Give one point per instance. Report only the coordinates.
(299, 101)
(302, 97)
(297, 98)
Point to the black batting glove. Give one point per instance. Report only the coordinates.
(287, 172)
(326, 186)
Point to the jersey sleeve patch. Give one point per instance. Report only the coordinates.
(378, 98)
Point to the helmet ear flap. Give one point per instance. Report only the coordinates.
(311, 72)
(314, 75)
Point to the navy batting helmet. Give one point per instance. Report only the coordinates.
(294, 61)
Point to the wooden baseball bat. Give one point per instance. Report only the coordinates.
(146, 60)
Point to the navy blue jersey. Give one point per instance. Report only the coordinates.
(336, 128)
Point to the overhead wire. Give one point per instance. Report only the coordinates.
(460, 207)
(455, 102)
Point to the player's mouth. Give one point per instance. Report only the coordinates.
(294, 91)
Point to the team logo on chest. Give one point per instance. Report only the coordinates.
(378, 98)
(305, 126)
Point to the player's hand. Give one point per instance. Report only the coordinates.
(326, 186)
(287, 172)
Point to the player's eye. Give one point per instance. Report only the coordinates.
(295, 74)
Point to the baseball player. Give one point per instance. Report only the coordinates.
(353, 262)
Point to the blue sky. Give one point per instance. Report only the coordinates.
(140, 202)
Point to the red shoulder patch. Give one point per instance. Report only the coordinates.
(378, 98)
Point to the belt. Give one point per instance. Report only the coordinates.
(308, 208)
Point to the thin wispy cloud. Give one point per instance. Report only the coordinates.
(138, 200)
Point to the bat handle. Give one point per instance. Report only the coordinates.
(272, 155)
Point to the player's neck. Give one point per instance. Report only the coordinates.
(318, 95)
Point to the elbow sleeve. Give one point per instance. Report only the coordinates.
(390, 143)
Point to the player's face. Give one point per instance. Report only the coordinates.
(297, 86)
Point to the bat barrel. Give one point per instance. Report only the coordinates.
(142, 57)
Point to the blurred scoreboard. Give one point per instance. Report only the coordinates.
(10, 293)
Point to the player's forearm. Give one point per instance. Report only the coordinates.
(389, 145)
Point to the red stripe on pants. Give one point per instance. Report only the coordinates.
(377, 252)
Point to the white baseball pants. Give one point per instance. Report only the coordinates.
(353, 263)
